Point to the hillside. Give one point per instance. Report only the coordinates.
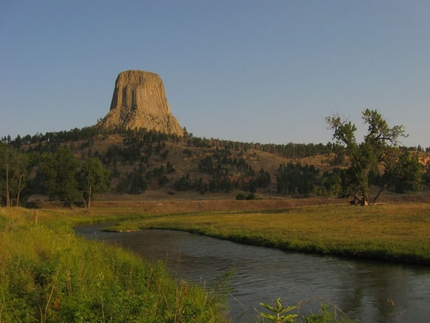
(185, 157)
(147, 165)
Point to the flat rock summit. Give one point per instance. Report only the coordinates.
(139, 101)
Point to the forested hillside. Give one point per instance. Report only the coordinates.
(77, 165)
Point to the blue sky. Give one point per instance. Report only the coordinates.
(255, 71)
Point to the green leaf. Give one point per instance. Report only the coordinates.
(268, 316)
(289, 317)
(287, 309)
(270, 308)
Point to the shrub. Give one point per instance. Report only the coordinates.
(240, 196)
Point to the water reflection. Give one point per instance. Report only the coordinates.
(361, 289)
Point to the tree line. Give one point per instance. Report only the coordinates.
(45, 164)
(58, 175)
(289, 150)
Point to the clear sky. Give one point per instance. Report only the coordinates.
(257, 71)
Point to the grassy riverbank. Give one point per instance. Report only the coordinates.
(47, 274)
(392, 233)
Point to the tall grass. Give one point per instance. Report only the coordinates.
(47, 274)
(396, 233)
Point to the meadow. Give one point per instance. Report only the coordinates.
(390, 233)
(48, 274)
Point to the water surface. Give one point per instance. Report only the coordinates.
(364, 290)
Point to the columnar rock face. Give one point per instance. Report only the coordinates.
(139, 101)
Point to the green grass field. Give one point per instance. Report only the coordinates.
(394, 233)
(47, 274)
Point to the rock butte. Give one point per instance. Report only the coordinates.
(139, 101)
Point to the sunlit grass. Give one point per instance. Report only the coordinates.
(47, 274)
(399, 233)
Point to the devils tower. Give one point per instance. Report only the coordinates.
(139, 101)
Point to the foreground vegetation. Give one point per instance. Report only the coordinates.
(47, 274)
(395, 233)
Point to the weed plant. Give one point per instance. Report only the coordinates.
(47, 274)
(328, 313)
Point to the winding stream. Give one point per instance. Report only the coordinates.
(364, 290)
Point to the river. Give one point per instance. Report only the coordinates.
(368, 291)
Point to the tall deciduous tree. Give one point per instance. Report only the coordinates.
(57, 173)
(4, 174)
(93, 178)
(378, 152)
(14, 171)
(19, 169)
